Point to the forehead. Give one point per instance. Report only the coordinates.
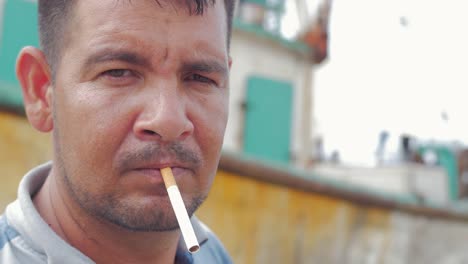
(172, 7)
(146, 23)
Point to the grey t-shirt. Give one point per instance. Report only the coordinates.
(25, 238)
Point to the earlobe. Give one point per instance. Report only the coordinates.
(33, 73)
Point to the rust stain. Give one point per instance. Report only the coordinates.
(265, 223)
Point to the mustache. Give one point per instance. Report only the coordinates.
(153, 152)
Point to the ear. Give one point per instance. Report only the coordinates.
(34, 75)
(230, 62)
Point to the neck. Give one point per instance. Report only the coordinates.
(100, 240)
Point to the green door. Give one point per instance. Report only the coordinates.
(18, 29)
(267, 131)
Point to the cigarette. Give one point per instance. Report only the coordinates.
(180, 211)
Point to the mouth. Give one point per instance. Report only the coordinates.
(147, 181)
(152, 174)
(156, 171)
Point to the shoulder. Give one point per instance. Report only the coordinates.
(13, 248)
(212, 250)
(7, 237)
(7, 233)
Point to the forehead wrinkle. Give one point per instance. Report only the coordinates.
(114, 11)
(156, 46)
(128, 35)
(107, 55)
(131, 46)
(175, 5)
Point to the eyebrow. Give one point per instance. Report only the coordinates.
(123, 56)
(205, 66)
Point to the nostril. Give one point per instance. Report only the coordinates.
(149, 132)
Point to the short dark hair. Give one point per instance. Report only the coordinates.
(53, 16)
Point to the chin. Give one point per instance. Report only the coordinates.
(153, 215)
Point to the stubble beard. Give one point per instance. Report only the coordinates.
(125, 213)
(130, 214)
(133, 215)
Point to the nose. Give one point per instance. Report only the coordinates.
(164, 117)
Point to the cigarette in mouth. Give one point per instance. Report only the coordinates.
(179, 209)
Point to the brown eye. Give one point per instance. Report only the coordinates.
(200, 78)
(117, 73)
(119, 77)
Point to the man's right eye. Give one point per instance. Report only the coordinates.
(119, 77)
(117, 73)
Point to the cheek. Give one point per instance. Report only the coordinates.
(91, 128)
(211, 128)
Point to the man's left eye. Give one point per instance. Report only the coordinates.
(200, 78)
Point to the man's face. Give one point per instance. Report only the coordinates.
(140, 87)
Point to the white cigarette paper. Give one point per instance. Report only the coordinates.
(180, 211)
